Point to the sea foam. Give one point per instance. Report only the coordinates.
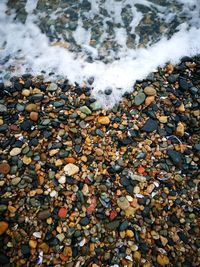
(25, 47)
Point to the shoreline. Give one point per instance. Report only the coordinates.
(85, 186)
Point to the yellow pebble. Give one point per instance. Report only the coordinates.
(26, 160)
(33, 243)
(137, 255)
(129, 233)
(162, 260)
(12, 209)
(26, 92)
(49, 220)
(103, 120)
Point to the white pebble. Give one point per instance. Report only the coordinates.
(62, 180)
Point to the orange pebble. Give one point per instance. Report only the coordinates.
(70, 160)
(62, 213)
(141, 169)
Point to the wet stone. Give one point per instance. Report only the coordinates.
(26, 125)
(113, 225)
(197, 147)
(149, 90)
(139, 99)
(25, 249)
(85, 110)
(3, 227)
(52, 87)
(175, 157)
(123, 203)
(4, 168)
(44, 214)
(3, 127)
(84, 221)
(150, 126)
(3, 108)
(59, 104)
(124, 225)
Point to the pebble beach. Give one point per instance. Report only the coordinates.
(86, 186)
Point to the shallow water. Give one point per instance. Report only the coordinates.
(114, 42)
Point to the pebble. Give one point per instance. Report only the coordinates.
(113, 225)
(137, 255)
(4, 168)
(15, 151)
(26, 125)
(150, 126)
(34, 116)
(162, 260)
(163, 119)
(26, 160)
(99, 152)
(3, 108)
(37, 234)
(30, 107)
(138, 178)
(43, 214)
(60, 237)
(95, 106)
(85, 110)
(139, 99)
(71, 169)
(15, 181)
(149, 90)
(180, 130)
(62, 213)
(3, 227)
(52, 87)
(53, 193)
(123, 203)
(175, 156)
(32, 243)
(62, 180)
(181, 108)
(84, 221)
(104, 120)
(149, 100)
(129, 233)
(26, 92)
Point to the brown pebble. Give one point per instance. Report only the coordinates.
(4, 168)
(44, 247)
(162, 260)
(104, 120)
(180, 129)
(149, 100)
(3, 227)
(34, 116)
(33, 243)
(181, 108)
(99, 152)
(44, 214)
(31, 107)
(149, 90)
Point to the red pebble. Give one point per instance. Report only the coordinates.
(92, 206)
(62, 213)
(113, 215)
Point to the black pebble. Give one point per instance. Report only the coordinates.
(175, 157)
(150, 126)
(26, 125)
